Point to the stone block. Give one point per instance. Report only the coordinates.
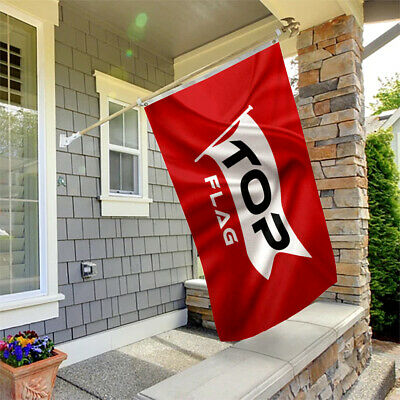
(310, 122)
(353, 197)
(322, 152)
(338, 65)
(307, 49)
(351, 256)
(321, 132)
(339, 116)
(326, 202)
(314, 56)
(305, 38)
(348, 269)
(310, 66)
(343, 213)
(305, 111)
(334, 93)
(344, 102)
(349, 80)
(348, 45)
(308, 78)
(339, 227)
(322, 107)
(341, 183)
(340, 171)
(334, 28)
(326, 43)
(352, 127)
(318, 88)
(351, 149)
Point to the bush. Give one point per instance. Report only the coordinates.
(384, 234)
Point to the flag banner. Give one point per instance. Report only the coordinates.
(237, 157)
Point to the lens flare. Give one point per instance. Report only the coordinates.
(141, 20)
(129, 53)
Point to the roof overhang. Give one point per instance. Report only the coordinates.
(381, 10)
(308, 13)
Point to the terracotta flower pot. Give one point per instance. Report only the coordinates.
(30, 382)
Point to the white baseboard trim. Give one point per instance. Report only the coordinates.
(93, 345)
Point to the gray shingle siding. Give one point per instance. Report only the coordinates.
(142, 262)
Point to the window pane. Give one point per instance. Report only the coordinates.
(131, 129)
(116, 125)
(124, 172)
(19, 206)
(129, 173)
(19, 247)
(114, 170)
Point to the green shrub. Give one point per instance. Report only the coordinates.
(384, 233)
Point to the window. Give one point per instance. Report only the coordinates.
(124, 145)
(124, 185)
(28, 259)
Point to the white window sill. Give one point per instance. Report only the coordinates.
(125, 206)
(26, 311)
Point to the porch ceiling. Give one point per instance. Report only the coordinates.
(173, 27)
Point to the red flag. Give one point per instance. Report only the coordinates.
(236, 153)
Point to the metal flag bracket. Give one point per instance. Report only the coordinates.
(292, 26)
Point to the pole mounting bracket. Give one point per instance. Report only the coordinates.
(292, 26)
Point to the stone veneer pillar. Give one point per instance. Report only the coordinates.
(331, 108)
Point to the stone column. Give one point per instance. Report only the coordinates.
(331, 108)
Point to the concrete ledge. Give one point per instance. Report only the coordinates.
(262, 365)
(196, 284)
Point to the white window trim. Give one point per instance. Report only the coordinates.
(39, 305)
(117, 204)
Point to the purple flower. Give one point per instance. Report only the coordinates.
(36, 349)
(18, 353)
(27, 349)
(6, 354)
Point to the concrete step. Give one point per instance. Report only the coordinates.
(375, 382)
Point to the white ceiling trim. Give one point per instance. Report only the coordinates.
(228, 44)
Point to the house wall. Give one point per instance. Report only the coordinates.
(142, 262)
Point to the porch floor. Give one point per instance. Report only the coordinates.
(120, 374)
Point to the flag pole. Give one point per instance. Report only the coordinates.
(186, 81)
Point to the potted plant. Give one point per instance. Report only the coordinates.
(28, 366)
